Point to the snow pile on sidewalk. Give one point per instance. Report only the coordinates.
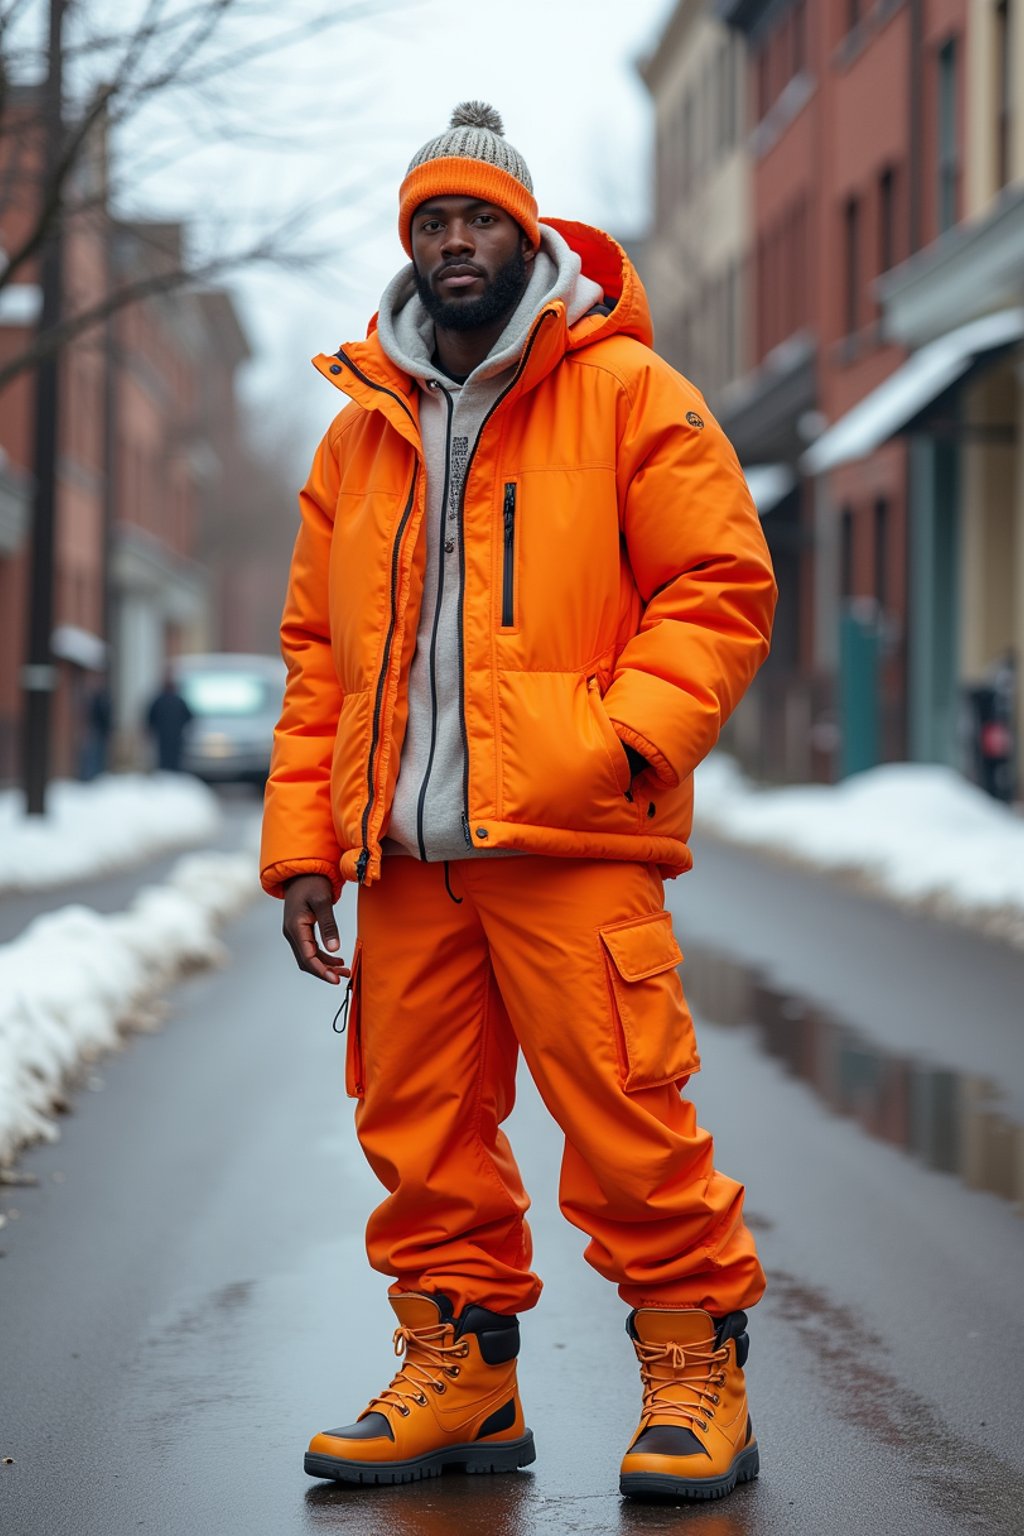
(76, 980)
(94, 829)
(920, 834)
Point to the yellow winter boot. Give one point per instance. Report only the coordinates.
(454, 1403)
(695, 1439)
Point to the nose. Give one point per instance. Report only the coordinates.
(458, 240)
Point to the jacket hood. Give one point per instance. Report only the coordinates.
(601, 263)
(605, 262)
(406, 331)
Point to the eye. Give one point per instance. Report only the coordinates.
(430, 226)
(485, 218)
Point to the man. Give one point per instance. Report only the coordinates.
(528, 587)
(167, 719)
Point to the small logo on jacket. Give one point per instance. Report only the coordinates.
(695, 420)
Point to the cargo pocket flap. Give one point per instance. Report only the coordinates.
(643, 949)
(657, 1044)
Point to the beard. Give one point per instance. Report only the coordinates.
(498, 299)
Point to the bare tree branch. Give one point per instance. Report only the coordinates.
(51, 206)
(286, 38)
(269, 250)
(10, 13)
(185, 57)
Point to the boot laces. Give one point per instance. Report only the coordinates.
(667, 1370)
(427, 1362)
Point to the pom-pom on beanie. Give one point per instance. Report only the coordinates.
(472, 158)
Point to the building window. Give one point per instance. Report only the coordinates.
(1004, 92)
(688, 145)
(679, 155)
(662, 174)
(729, 93)
(764, 83)
(728, 107)
(887, 219)
(846, 552)
(881, 551)
(947, 133)
(799, 37)
(851, 248)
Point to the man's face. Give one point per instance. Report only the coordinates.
(472, 261)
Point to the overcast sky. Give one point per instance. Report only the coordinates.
(336, 118)
(561, 72)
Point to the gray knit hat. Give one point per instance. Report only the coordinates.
(472, 158)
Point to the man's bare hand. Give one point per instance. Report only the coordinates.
(308, 906)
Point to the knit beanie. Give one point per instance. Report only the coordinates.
(472, 158)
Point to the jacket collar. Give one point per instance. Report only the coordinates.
(364, 372)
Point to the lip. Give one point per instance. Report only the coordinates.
(458, 277)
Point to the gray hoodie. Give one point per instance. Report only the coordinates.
(426, 816)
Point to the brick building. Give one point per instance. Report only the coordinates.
(959, 301)
(147, 439)
(699, 274)
(870, 195)
(858, 133)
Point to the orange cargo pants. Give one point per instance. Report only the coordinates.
(573, 962)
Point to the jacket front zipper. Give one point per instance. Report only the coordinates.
(371, 789)
(508, 594)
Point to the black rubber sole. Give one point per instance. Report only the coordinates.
(505, 1457)
(660, 1485)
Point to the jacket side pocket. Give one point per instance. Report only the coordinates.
(657, 1038)
(354, 1086)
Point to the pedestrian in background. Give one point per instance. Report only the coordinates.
(528, 588)
(167, 719)
(97, 721)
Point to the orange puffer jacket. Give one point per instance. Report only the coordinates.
(630, 600)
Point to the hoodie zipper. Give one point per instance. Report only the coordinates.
(523, 362)
(421, 801)
(371, 788)
(508, 594)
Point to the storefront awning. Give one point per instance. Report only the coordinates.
(905, 394)
(768, 484)
(70, 643)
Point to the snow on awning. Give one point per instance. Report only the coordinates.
(768, 484)
(70, 643)
(905, 393)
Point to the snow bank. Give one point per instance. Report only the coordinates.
(76, 980)
(920, 834)
(93, 829)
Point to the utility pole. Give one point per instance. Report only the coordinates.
(39, 674)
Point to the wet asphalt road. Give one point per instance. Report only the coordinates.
(184, 1298)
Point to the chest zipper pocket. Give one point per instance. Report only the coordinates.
(508, 568)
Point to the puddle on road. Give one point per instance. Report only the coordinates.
(950, 1121)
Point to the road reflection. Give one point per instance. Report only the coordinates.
(454, 1505)
(950, 1121)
